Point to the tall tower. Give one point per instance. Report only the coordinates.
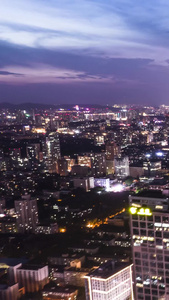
(33, 115)
(149, 221)
(52, 152)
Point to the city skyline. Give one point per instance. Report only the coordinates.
(87, 51)
(84, 207)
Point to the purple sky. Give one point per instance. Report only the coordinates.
(84, 51)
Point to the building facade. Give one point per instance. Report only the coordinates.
(122, 167)
(27, 214)
(33, 278)
(9, 292)
(112, 150)
(52, 152)
(149, 220)
(108, 282)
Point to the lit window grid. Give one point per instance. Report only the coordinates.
(119, 286)
(153, 262)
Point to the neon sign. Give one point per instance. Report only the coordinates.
(140, 211)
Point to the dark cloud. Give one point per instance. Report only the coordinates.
(131, 51)
(150, 82)
(10, 73)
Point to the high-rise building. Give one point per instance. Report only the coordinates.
(33, 116)
(112, 150)
(63, 166)
(33, 155)
(98, 164)
(27, 214)
(149, 219)
(52, 152)
(122, 167)
(33, 151)
(15, 157)
(109, 282)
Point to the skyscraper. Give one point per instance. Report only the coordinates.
(149, 219)
(52, 152)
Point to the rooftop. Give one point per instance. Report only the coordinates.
(31, 267)
(60, 289)
(11, 262)
(151, 194)
(108, 269)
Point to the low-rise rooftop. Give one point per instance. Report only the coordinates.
(108, 269)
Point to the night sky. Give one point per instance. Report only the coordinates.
(84, 51)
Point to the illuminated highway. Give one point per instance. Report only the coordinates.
(92, 225)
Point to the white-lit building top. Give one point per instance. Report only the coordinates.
(109, 282)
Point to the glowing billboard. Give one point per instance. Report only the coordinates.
(143, 211)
